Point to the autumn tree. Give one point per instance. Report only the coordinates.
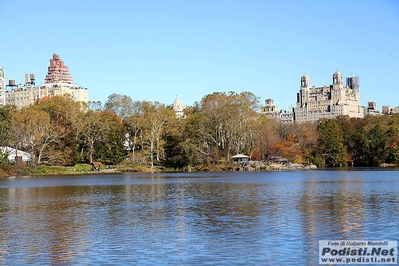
(229, 116)
(95, 105)
(33, 132)
(268, 138)
(134, 128)
(64, 113)
(254, 126)
(154, 117)
(121, 105)
(307, 140)
(92, 132)
(288, 148)
(295, 142)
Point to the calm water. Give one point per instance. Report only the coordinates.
(237, 218)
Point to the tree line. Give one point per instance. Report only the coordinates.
(61, 131)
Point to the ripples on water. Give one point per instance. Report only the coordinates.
(258, 218)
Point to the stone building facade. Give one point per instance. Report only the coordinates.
(272, 111)
(394, 110)
(371, 109)
(387, 110)
(58, 81)
(315, 103)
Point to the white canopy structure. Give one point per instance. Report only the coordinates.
(240, 158)
(11, 153)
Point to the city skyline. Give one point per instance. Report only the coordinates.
(155, 50)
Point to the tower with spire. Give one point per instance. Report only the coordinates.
(178, 107)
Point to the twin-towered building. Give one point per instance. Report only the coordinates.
(58, 81)
(314, 103)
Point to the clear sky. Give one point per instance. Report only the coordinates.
(156, 49)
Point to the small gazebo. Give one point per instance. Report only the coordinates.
(240, 158)
(96, 166)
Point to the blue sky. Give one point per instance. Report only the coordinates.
(154, 50)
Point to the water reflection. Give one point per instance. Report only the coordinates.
(229, 218)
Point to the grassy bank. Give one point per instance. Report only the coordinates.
(14, 170)
(124, 167)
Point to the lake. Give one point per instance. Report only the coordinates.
(229, 218)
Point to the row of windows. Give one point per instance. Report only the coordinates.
(41, 93)
(19, 94)
(18, 99)
(21, 102)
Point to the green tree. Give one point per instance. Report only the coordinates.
(174, 150)
(353, 131)
(5, 126)
(393, 135)
(376, 146)
(331, 143)
(4, 163)
(5, 133)
(196, 138)
(111, 147)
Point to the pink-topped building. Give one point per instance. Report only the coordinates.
(58, 81)
(58, 72)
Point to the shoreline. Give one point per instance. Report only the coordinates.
(238, 168)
